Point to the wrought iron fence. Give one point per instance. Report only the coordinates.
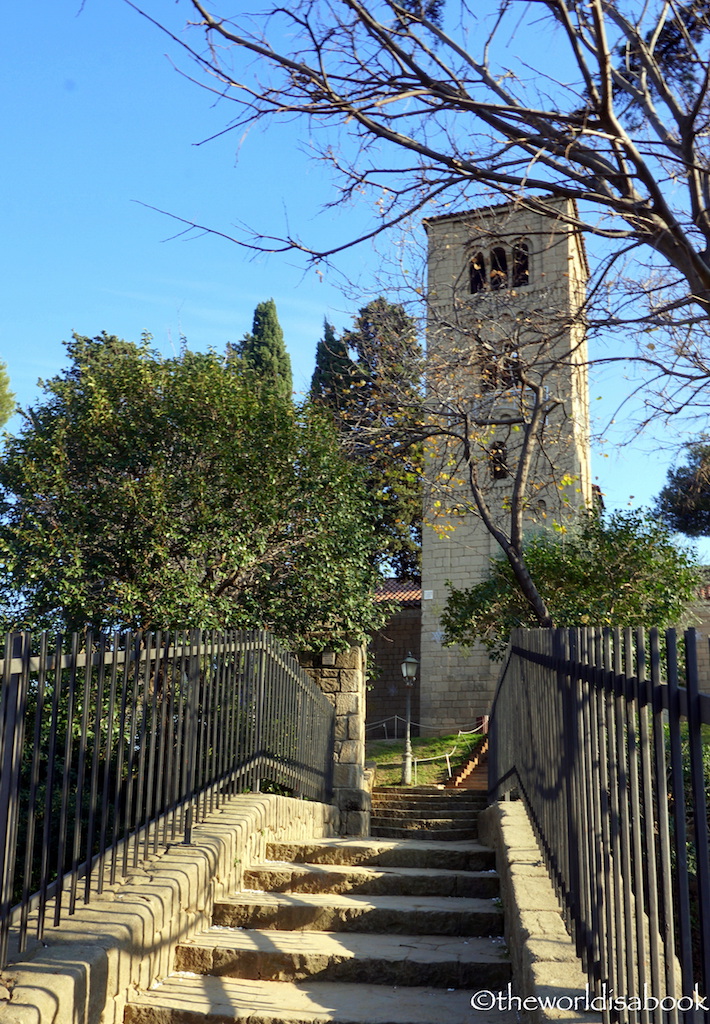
(611, 755)
(113, 746)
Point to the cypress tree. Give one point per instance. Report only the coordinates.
(334, 373)
(375, 397)
(264, 350)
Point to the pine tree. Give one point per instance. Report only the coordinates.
(264, 350)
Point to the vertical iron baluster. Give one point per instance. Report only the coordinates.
(647, 801)
(614, 857)
(51, 773)
(622, 757)
(27, 886)
(697, 776)
(685, 941)
(109, 753)
(95, 761)
(636, 834)
(664, 843)
(121, 785)
(192, 727)
(139, 653)
(151, 806)
(142, 744)
(605, 883)
(64, 808)
(12, 716)
(165, 746)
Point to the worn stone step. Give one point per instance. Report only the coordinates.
(287, 956)
(453, 835)
(431, 814)
(410, 819)
(408, 793)
(439, 806)
(201, 1000)
(339, 878)
(411, 790)
(395, 915)
(405, 853)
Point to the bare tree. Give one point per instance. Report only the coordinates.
(436, 106)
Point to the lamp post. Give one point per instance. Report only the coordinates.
(409, 671)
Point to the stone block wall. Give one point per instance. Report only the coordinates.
(341, 677)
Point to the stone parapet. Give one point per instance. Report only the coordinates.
(83, 970)
(546, 969)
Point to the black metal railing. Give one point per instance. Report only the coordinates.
(611, 755)
(114, 746)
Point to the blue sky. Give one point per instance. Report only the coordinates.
(96, 122)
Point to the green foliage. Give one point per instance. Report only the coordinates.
(181, 492)
(684, 503)
(371, 381)
(264, 351)
(620, 569)
(7, 397)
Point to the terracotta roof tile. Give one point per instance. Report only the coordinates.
(406, 592)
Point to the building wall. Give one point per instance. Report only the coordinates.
(386, 694)
(543, 320)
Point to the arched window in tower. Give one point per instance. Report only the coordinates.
(499, 268)
(521, 264)
(499, 461)
(477, 273)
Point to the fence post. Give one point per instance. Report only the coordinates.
(12, 721)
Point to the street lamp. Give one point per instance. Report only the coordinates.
(409, 671)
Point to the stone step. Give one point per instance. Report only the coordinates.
(203, 1000)
(418, 793)
(466, 805)
(395, 915)
(411, 790)
(437, 811)
(406, 959)
(453, 835)
(340, 878)
(410, 819)
(405, 853)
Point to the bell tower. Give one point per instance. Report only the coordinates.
(507, 368)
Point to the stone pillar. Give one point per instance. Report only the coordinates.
(341, 677)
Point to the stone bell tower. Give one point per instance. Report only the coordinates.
(506, 290)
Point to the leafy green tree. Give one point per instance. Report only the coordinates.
(371, 380)
(620, 569)
(153, 492)
(684, 503)
(264, 350)
(7, 397)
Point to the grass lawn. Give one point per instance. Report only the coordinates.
(391, 752)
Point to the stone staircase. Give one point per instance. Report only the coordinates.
(376, 931)
(426, 813)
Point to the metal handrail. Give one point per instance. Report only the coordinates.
(112, 747)
(595, 732)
